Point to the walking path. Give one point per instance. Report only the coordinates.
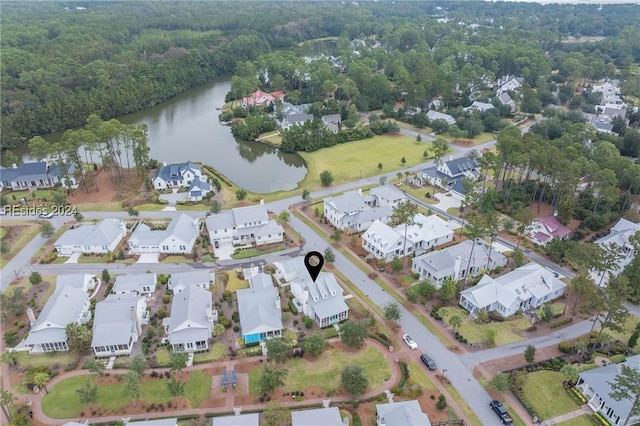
(568, 416)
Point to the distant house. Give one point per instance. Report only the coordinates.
(329, 416)
(595, 385)
(40, 174)
(385, 242)
(85, 282)
(244, 225)
(260, 98)
(322, 300)
(332, 122)
(452, 262)
(545, 229)
(385, 195)
(249, 419)
(295, 120)
(404, 413)
(479, 106)
(435, 115)
(202, 278)
(179, 237)
(527, 287)
(349, 212)
(260, 313)
(506, 100)
(618, 239)
(68, 304)
(610, 93)
(117, 324)
(449, 175)
(101, 237)
(188, 329)
(159, 422)
(509, 83)
(138, 284)
(185, 175)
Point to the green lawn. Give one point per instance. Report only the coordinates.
(150, 207)
(64, 402)
(247, 253)
(235, 283)
(325, 371)
(629, 327)
(420, 193)
(40, 194)
(543, 390)
(418, 374)
(107, 206)
(96, 258)
(192, 207)
(163, 357)
(217, 352)
(36, 360)
(176, 259)
(507, 331)
(577, 421)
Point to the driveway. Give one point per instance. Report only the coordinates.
(224, 251)
(148, 258)
(174, 197)
(447, 201)
(74, 257)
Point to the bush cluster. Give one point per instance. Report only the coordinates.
(561, 322)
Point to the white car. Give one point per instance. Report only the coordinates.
(409, 341)
(48, 215)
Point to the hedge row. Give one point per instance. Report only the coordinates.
(561, 322)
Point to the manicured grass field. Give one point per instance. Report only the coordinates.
(36, 360)
(217, 352)
(325, 371)
(507, 331)
(163, 358)
(245, 254)
(96, 258)
(192, 207)
(106, 206)
(40, 194)
(64, 402)
(176, 259)
(420, 193)
(543, 390)
(419, 375)
(576, 421)
(235, 283)
(150, 207)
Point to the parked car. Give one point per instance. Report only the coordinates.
(409, 341)
(502, 412)
(426, 360)
(48, 215)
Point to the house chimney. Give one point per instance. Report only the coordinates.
(164, 164)
(14, 165)
(326, 403)
(278, 302)
(456, 268)
(136, 321)
(359, 191)
(32, 317)
(451, 158)
(237, 411)
(381, 422)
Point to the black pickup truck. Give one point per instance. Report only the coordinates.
(505, 418)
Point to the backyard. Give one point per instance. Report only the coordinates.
(324, 371)
(544, 392)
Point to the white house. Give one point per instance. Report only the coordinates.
(178, 237)
(449, 175)
(436, 115)
(385, 242)
(595, 386)
(509, 83)
(452, 262)
(505, 99)
(322, 300)
(248, 419)
(198, 189)
(295, 120)
(545, 229)
(403, 413)
(202, 278)
(618, 240)
(260, 313)
(350, 212)
(138, 284)
(385, 195)
(101, 237)
(157, 422)
(479, 106)
(332, 122)
(85, 282)
(527, 287)
(40, 174)
(177, 175)
(188, 329)
(68, 304)
(117, 324)
(244, 225)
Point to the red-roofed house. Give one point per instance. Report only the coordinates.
(259, 98)
(544, 229)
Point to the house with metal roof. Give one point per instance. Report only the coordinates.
(68, 304)
(527, 287)
(385, 242)
(244, 225)
(404, 413)
(117, 324)
(386, 195)
(595, 386)
(249, 419)
(329, 416)
(449, 175)
(101, 237)
(39, 174)
(295, 120)
(436, 115)
(188, 329)
(322, 300)
(202, 278)
(453, 262)
(260, 313)
(157, 422)
(332, 122)
(178, 237)
(618, 240)
(185, 175)
(85, 282)
(350, 212)
(138, 284)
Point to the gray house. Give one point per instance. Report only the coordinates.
(452, 262)
(41, 174)
(595, 386)
(178, 237)
(188, 329)
(250, 419)
(350, 212)
(329, 416)
(332, 122)
(138, 284)
(449, 175)
(244, 225)
(101, 237)
(202, 278)
(118, 324)
(295, 120)
(404, 413)
(260, 313)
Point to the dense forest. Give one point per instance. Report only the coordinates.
(62, 62)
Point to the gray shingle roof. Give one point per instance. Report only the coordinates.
(258, 310)
(165, 172)
(113, 320)
(405, 413)
(158, 422)
(347, 202)
(251, 419)
(299, 118)
(73, 280)
(387, 192)
(318, 417)
(103, 233)
(220, 221)
(435, 115)
(197, 276)
(182, 227)
(131, 282)
(441, 263)
(242, 215)
(32, 172)
(189, 315)
(260, 281)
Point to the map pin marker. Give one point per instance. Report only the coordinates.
(314, 270)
